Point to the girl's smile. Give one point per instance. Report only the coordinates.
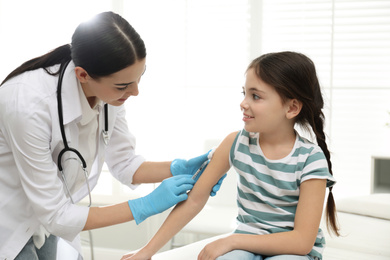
(247, 117)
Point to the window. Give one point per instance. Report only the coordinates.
(198, 52)
(350, 43)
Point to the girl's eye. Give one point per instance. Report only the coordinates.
(255, 97)
(243, 92)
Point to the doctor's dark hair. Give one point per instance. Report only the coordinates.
(103, 45)
(293, 76)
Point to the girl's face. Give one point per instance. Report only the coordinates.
(263, 109)
(116, 88)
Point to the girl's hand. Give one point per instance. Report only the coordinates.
(214, 249)
(135, 255)
(127, 256)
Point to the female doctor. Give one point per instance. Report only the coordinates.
(56, 132)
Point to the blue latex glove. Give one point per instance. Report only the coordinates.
(217, 186)
(170, 192)
(190, 167)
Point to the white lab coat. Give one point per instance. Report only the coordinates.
(31, 193)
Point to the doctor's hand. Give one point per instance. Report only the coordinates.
(190, 167)
(170, 192)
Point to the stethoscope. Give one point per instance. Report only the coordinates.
(64, 140)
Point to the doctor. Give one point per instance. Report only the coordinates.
(56, 133)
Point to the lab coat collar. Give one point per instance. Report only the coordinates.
(70, 95)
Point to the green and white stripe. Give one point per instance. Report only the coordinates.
(268, 190)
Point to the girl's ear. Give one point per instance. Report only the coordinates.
(294, 107)
(81, 74)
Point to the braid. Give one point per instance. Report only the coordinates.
(318, 129)
(293, 75)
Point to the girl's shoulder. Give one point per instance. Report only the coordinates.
(303, 145)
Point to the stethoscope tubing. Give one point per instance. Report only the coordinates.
(64, 140)
(61, 121)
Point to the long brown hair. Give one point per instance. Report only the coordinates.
(293, 75)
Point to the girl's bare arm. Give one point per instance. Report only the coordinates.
(185, 211)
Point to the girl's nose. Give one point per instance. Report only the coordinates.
(243, 105)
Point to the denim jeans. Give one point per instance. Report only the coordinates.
(47, 252)
(245, 255)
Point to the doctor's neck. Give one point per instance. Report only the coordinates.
(92, 101)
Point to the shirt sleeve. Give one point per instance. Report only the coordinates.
(28, 132)
(316, 167)
(120, 154)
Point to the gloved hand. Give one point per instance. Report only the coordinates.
(190, 167)
(170, 192)
(217, 186)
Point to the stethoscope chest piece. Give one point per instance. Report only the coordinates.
(105, 136)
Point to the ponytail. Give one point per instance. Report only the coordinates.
(59, 55)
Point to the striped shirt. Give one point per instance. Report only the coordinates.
(268, 190)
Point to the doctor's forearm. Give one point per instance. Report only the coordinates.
(152, 172)
(108, 215)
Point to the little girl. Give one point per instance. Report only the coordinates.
(282, 176)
